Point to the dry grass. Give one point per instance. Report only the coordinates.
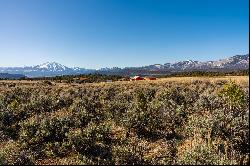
(241, 80)
(237, 79)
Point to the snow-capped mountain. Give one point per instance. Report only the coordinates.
(189, 64)
(232, 63)
(237, 62)
(45, 69)
(51, 66)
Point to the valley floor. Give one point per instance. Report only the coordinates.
(237, 79)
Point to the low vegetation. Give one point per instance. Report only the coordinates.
(95, 77)
(144, 122)
(83, 78)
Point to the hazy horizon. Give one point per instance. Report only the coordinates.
(95, 34)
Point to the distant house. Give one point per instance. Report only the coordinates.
(108, 80)
(136, 78)
(149, 78)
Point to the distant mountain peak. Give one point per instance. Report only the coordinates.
(52, 66)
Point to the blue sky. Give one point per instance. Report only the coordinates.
(109, 33)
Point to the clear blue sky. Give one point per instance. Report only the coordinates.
(109, 33)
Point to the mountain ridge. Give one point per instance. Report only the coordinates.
(237, 62)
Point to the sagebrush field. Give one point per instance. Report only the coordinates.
(168, 121)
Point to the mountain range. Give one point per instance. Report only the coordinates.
(45, 70)
(237, 62)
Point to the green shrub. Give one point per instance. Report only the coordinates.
(233, 94)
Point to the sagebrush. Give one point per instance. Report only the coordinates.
(148, 123)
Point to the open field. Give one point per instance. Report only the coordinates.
(178, 120)
(237, 79)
